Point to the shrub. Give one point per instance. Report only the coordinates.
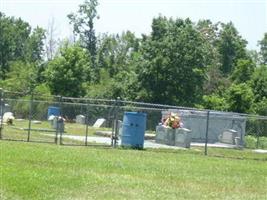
(262, 143)
(250, 142)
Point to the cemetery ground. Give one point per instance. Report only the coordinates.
(46, 171)
(42, 131)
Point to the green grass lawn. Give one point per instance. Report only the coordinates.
(44, 132)
(19, 131)
(46, 171)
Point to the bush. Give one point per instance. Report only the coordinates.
(262, 143)
(251, 142)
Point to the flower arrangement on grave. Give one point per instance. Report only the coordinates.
(172, 121)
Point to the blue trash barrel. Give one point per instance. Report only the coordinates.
(53, 111)
(133, 129)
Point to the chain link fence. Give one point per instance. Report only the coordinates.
(99, 122)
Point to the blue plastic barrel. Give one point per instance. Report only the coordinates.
(53, 111)
(133, 129)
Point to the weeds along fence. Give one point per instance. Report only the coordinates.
(98, 122)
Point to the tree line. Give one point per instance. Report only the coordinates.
(181, 62)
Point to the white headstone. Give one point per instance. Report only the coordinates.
(80, 119)
(99, 122)
(8, 116)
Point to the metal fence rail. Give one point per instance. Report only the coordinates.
(81, 119)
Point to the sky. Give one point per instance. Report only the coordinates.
(248, 16)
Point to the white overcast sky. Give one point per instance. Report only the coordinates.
(249, 16)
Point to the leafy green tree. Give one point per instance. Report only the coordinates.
(18, 42)
(83, 25)
(13, 34)
(215, 82)
(214, 102)
(117, 53)
(254, 56)
(42, 91)
(240, 98)
(243, 71)
(123, 85)
(261, 107)
(67, 73)
(172, 64)
(231, 47)
(106, 52)
(21, 77)
(35, 45)
(214, 78)
(209, 32)
(101, 89)
(117, 58)
(259, 82)
(263, 49)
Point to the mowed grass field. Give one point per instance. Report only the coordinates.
(70, 128)
(47, 171)
(44, 132)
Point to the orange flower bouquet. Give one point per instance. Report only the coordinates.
(172, 121)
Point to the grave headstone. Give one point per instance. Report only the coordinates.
(80, 119)
(99, 122)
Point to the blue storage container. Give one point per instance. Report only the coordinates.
(53, 111)
(133, 129)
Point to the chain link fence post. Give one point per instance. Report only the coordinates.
(207, 133)
(258, 134)
(56, 136)
(87, 123)
(60, 127)
(30, 117)
(113, 111)
(118, 104)
(112, 124)
(2, 103)
(115, 128)
(242, 136)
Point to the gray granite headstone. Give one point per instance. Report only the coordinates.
(228, 136)
(183, 137)
(219, 122)
(174, 137)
